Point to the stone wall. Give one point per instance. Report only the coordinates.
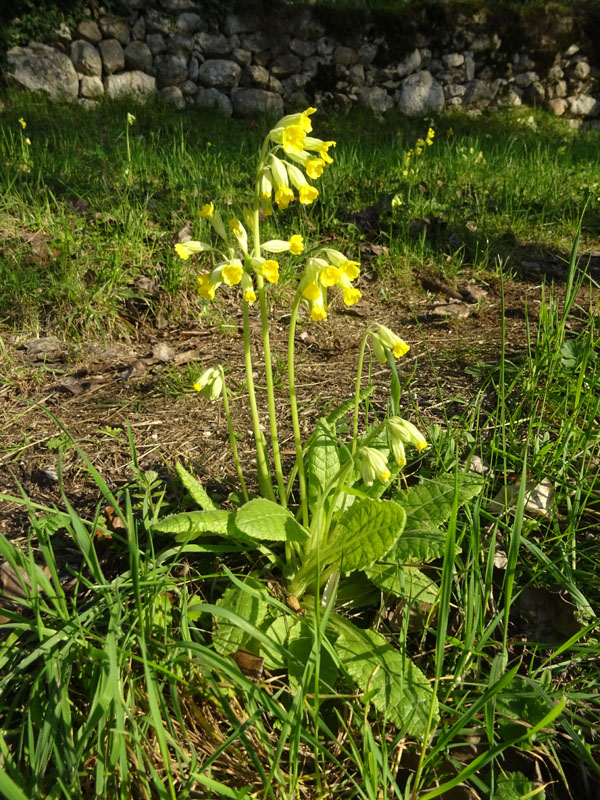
(281, 58)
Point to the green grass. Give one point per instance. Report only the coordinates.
(110, 685)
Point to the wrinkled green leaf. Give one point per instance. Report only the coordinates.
(403, 581)
(427, 506)
(514, 786)
(249, 607)
(364, 533)
(191, 524)
(265, 520)
(279, 632)
(300, 647)
(196, 490)
(322, 462)
(390, 680)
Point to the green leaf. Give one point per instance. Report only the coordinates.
(427, 506)
(191, 524)
(514, 786)
(322, 462)
(364, 533)
(390, 680)
(403, 581)
(300, 647)
(279, 632)
(341, 410)
(228, 636)
(268, 521)
(196, 490)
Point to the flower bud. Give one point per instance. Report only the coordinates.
(373, 465)
(210, 383)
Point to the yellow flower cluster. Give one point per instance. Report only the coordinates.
(279, 177)
(333, 269)
(417, 150)
(374, 465)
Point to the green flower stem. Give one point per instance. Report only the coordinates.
(361, 357)
(264, 318)
(294, 408)
(232, 440)
(262, 461)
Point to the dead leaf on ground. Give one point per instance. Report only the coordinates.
(455, 310)
(550, 615)
(185, 233)
(250, 665)
(47, 348)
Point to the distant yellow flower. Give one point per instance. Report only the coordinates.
(207, 210)
(419, 150)
(307, 194)
(296, 244)
(232, 274)
(22, 123)
(205, 287)
(314, 167)
(185, 249)
(270, 270)
(130, 119)
(430, 135)
(396, 201)
(28, 140)
(283, 197)
(420, 143)
(330, 276)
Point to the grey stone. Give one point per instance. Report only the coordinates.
(356, 75)
(115, 28)
(345, 56)
(452, 60)
(410, 64)
(255, 42)
(375, 98)
(555, 73)
(88, 29)
(534, 94)
(241, 56)
(293, 84)
(526, 78)
(180, 45)
(188, 23)
(86, 59)
(571, 50)
(420, 94)
(220, 73)
(325, 46)
(213, 45)
(170, 69)
(38, 67)
(510, 98)
(580, 70)
(113, 56)
(584, 106)
(63, 36)
(173, 96)
(193, 67)
(275, 85)
(91, 86)
(156, 42)
(469, 67)
(479, 93)
(157, 22)
(189, 88)
(367, 53)
(303, 48)
(253, 75)
(212, 98)
(285, 65)
(455, 90)
(135, 84)
(138, 31)
(558, 89)
(250, 102)
(138, 56)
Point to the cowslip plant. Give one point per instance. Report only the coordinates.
(325, 528)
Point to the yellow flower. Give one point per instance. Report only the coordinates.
(330, 276)
(396, 201)
(296, 244)
(305, 123)
(419, 150)
(270, 270)
(374, 466)
(207, 210)
(130, 119)
(240, 233)
(351, 295)
(350, 269)
(210, 383)
(248, 288)
(314, 167)
(283, 197)
(265, 185)
(185, 249)
(323, 151)
(232, 274)
(205, 287)
(384, 339)
(307, 194)
(28, 140)
(22, 123)
(318, 312)
(420, 143)
(430, 133)
(400, 430)
(312, 292)
(293, 138)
